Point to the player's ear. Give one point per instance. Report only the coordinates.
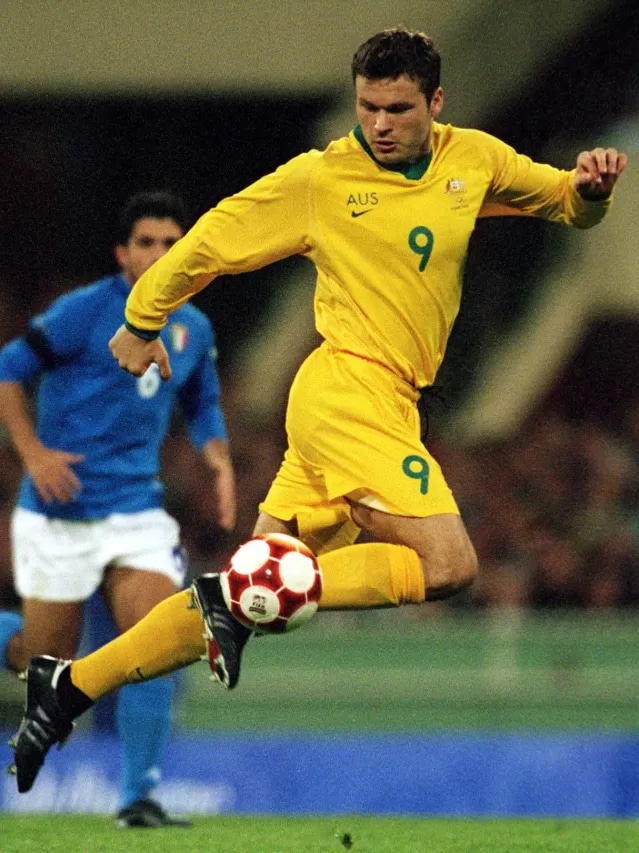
(436, 102)
(119, 252)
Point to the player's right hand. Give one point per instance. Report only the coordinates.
(136, 355)
(52, 473)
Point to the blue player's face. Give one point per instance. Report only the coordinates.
(395, 118)
(149, 240)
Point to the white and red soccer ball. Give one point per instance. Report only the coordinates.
(272, 583)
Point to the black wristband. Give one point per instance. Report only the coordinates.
(145, 334)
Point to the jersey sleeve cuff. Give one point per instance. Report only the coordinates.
(145, 334)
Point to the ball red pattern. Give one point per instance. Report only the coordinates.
(272, 583)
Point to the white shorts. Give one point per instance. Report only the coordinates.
(59, 560)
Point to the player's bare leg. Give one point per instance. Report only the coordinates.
(269, 524)
(48, 627)
(132, 593)
(447, 555)
(443, 562)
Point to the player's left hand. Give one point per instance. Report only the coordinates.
(598, 171)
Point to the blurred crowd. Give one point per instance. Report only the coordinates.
(553, 513)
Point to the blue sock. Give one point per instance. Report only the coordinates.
(144, 725)
(10, 624)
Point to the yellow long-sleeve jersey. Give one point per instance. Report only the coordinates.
(389, 246)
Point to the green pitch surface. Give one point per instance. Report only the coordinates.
(377, 671)
(22, 834)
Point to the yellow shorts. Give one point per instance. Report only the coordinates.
(353, 431)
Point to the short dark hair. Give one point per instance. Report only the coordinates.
(155, 204)
(391, 53)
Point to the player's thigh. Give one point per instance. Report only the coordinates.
(145, 564)
(131, 593)
(269, 524)
(297, 503)
(49, 628)
(442, 542)
(55, 569)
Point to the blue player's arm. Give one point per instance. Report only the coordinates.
(21, 361)
(201, 406)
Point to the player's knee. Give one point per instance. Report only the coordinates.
(450, 574)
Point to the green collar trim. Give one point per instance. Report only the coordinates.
(412, 171)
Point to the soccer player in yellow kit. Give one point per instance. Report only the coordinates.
(385, 215)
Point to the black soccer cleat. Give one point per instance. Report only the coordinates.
(225, 635)
(44, 722)
(148, 814)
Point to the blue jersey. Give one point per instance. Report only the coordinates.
(87, 404)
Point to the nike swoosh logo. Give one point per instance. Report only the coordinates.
(356, 213)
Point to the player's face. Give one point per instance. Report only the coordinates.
(395, 118)
(149, 240)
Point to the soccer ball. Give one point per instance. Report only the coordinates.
(272, 583)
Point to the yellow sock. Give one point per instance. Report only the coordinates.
(170, 636)
(372, 574)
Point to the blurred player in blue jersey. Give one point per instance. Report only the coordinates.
(89, 513)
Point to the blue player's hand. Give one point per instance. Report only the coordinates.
(52, 473)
